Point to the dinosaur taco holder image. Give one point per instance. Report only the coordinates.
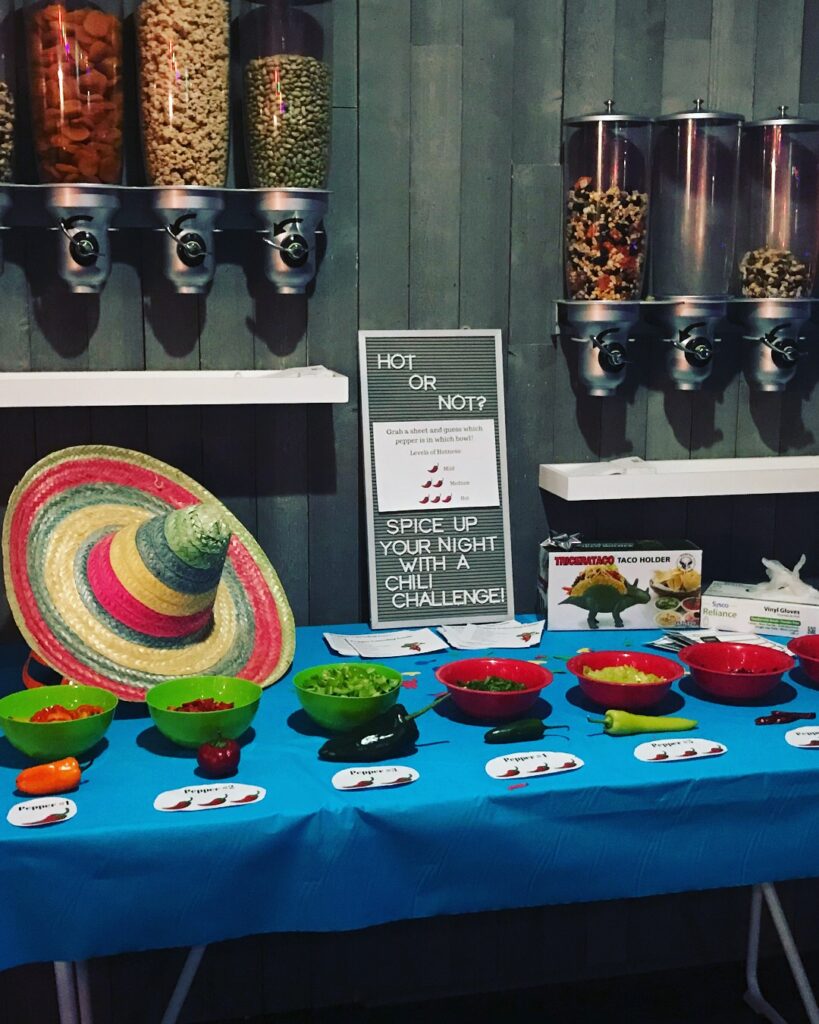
(650, 584)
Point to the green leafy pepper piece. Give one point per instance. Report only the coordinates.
(623, 723)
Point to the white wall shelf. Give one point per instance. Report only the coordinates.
(682, 478)
(295, 386)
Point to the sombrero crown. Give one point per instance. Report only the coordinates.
(159, 578)
(121, 572)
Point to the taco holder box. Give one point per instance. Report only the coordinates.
(636, 599)
(735, 607)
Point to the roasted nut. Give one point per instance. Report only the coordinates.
(605, 242)
(287, 118)
(184, 65)
(768, 273)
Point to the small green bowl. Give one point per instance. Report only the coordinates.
(193, 728)
(340, 714)
(49, 741)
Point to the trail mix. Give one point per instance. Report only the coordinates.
(184, 50)
(773, 273)
(605, 241)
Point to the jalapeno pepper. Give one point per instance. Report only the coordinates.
(391, 734)
(520, 730)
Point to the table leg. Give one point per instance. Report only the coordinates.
(83, 992)
(66, 992)
(183, 984)
(753, 995)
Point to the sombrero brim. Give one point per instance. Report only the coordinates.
(70, 499)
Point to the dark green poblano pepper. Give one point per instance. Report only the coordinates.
(391, 734)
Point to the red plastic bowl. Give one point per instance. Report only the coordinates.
(806, 649)
(484, 703)
(735, 671)
(625, 696)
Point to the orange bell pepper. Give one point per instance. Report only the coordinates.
(54, 777)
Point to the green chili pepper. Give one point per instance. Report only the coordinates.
(522, 729)
(391, 734)
(623, 723)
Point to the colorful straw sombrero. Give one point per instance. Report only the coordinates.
(122, 572)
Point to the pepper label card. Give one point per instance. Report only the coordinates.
(210, 797)
(48, 810)
(434, 440)
(806, 736)
(383, 777)
(532, 764)
(678, 750)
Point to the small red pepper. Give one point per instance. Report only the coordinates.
(219, 758)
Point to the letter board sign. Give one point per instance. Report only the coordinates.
(434, 443)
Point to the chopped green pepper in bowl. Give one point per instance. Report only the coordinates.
(345, 695)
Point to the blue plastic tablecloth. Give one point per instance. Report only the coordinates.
(121, 876)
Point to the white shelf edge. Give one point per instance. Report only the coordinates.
(59, 389)
(683, 478)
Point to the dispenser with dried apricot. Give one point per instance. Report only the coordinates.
(75, 68)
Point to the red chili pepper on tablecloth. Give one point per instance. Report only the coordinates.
(784, 717)
(215, 802)
(247, 799)
(180, 806)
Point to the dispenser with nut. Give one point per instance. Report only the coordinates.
(606, 220)
(188, 216)
(288, 109)
(779, 238)
(694, 171)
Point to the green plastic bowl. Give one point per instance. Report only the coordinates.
(340, 714)
(193, 728)
(49, 741)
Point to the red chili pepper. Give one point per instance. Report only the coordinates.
(180, 806)
(400, 780)
(541, 768)
(219, 758)
(569, 764)
(215, 802)
(510, 773)
(49, 819)
(247, 799)
(659, 757)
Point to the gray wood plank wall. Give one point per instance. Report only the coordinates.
(445, 212)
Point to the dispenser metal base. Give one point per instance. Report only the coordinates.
(84, 215)
(292, 217)
(188, 215)
(602, 329)
(688, 325)
(771, 331)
